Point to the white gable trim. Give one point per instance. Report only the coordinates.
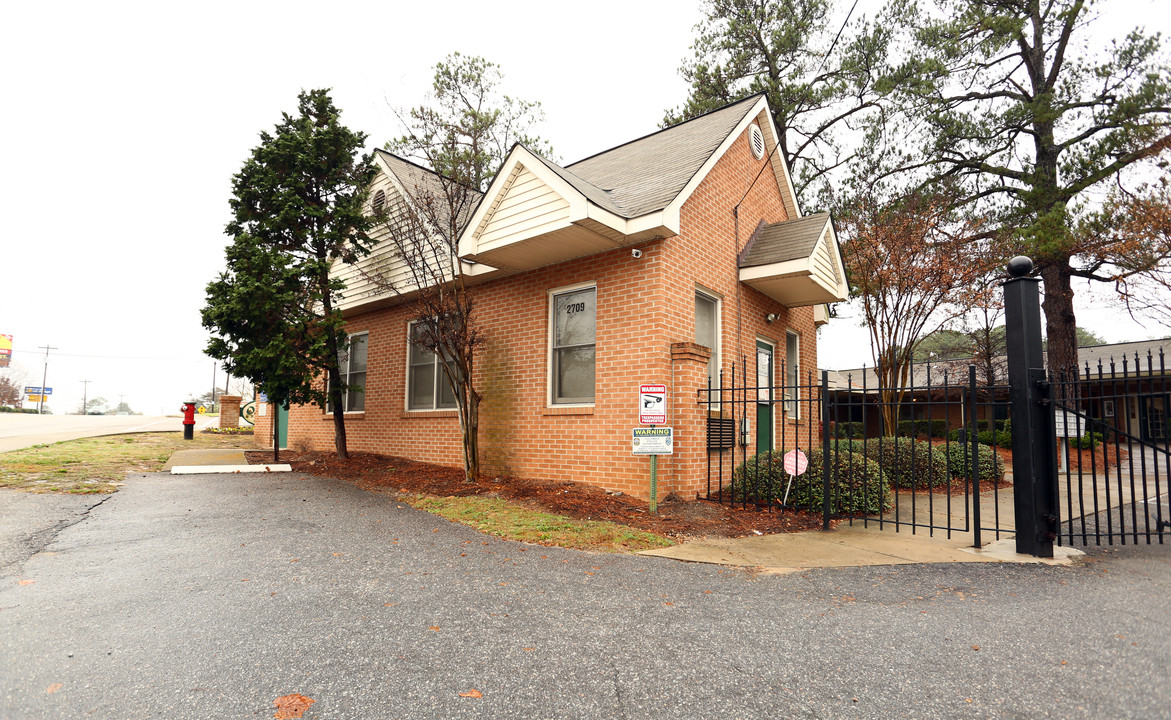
(580, 207)
(758, 111)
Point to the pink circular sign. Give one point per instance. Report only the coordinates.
(796, 462)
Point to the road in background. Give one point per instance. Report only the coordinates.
(21, 430)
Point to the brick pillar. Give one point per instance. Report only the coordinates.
(229, 411)
(689, 418)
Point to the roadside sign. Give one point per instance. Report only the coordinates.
(202, 409)
(35, 398)
(652, 404)
(5, 350)
(28, 390)
(652, 441)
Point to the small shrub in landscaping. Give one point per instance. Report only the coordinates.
(850, 429)
(857, 485)
(989, 466)
(230, 431)
(1088, 441)
(928, 428)
(906, 462)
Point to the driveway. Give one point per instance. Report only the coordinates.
(211, 596)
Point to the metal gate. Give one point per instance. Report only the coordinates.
(906, 459)
(1090, 460)
(1113, 456)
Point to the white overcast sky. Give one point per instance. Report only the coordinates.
(124, 122)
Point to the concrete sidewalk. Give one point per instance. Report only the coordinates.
(850, 546)
(219, 460)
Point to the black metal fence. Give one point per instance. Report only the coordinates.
(909, 458)
(935, 456)
(1110, 427)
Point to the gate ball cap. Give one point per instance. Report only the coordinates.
(1019, 266)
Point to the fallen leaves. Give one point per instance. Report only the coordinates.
(53, 688)
(291, 706)
(25, 582)
(473, 693)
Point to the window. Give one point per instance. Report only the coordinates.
(707, 332)
(352, 365)
(424, 376)
(575, 318)
(792, 376)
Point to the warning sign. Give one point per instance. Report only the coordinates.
(651, 441)
(652, 404)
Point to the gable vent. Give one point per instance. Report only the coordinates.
(379, 201)
(756, 141)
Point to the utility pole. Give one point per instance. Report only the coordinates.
(44, 377)
(84, 396)
(213, 369)
(119, 408)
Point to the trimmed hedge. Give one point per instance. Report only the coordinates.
(857, 485)
(906, 462)
(850, 430)
(999, 438)
(230, 431)
(989, 466)
(930, 428)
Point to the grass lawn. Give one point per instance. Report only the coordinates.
(511, 521)
(98, 464)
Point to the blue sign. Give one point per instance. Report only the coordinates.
(37, 391)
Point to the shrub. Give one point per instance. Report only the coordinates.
(906, 462)
(999, 438)
(850, 430)
(929, 428)
(857, 485)
(230, 431)
(989, 466)
(1088, 441)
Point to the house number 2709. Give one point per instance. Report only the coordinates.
(572, 308)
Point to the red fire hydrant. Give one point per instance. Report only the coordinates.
(188, 420)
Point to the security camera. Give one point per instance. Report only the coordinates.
(636, 253)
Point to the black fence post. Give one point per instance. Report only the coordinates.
(1034, 462)
(826, 460)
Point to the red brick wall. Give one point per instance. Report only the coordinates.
(645, 307)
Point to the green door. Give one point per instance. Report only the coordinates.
(764, 396)
(282, 418)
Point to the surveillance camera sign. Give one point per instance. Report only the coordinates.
(652, 404)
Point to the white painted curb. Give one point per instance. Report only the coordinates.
(215, 469)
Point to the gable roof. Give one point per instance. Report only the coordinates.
(413, 178)
(537, 212)
(783, 241)
(645, 175)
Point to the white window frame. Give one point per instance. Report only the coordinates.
(551, 366)
(344, 371)
(713, 368)
(793, 376)
(437, 377)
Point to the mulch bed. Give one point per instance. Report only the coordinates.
(676, 517)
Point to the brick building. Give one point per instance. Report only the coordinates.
(727, 271)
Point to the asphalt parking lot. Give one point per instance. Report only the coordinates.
(211, 596)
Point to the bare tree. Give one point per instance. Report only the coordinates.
(462, 135)
(911, 267)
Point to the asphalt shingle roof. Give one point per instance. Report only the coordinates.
(788, 240)
(645, 175)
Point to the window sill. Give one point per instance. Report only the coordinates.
(568, 410)
(413, 414)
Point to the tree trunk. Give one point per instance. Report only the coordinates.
(1060, 322)
(339, 414)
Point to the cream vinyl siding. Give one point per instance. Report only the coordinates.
(527, 206)
(382, 262)
(824, 267)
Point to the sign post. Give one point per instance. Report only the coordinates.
(653, 441)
